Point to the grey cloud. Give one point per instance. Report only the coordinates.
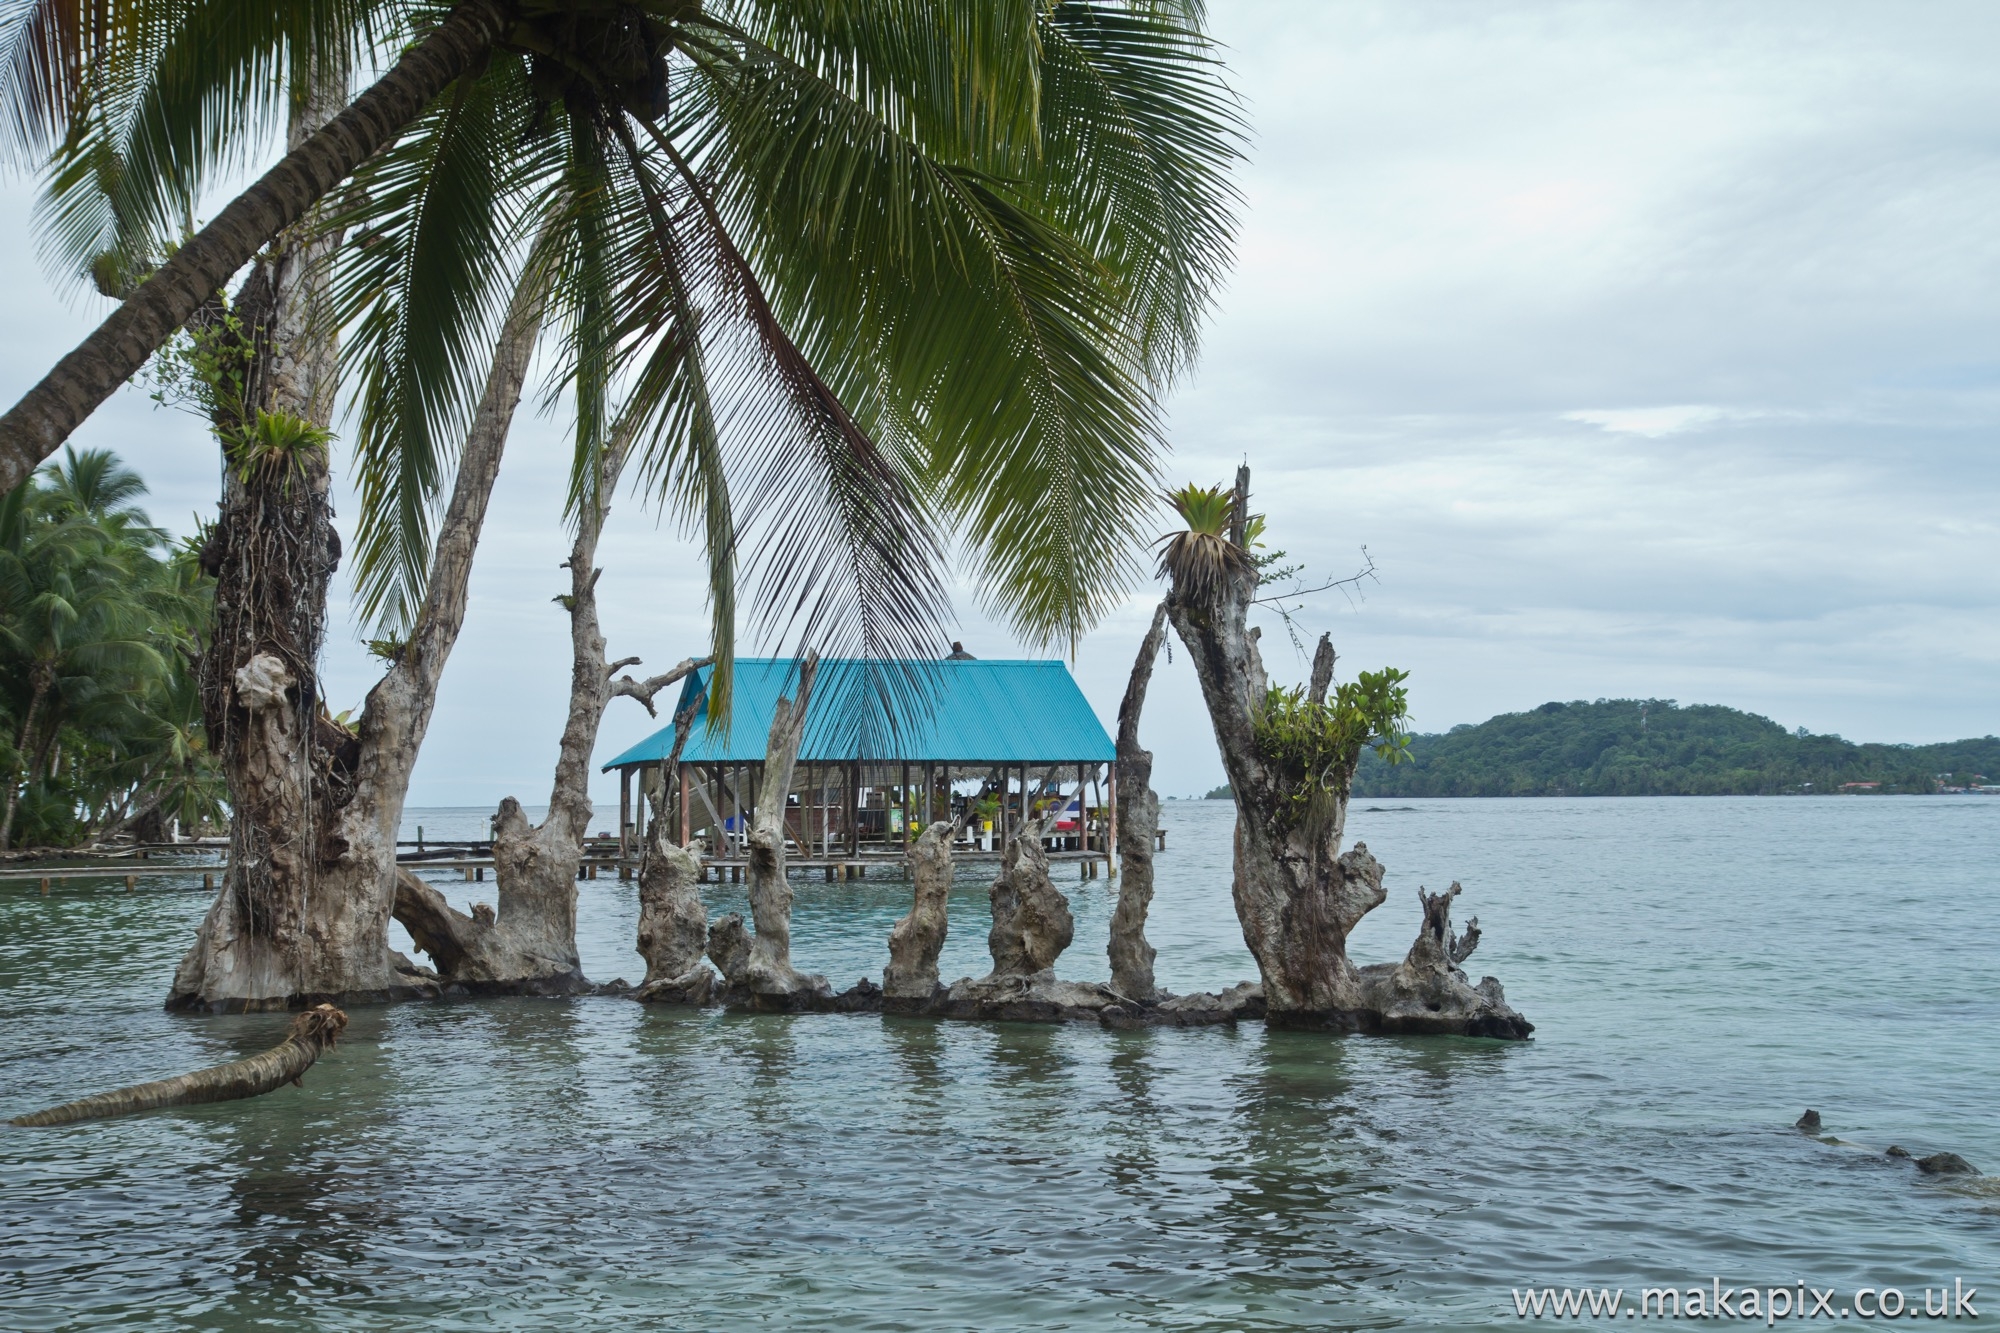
(1652, 350)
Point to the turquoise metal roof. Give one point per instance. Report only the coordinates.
(962, 712)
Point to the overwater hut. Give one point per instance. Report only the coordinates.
(889, 747)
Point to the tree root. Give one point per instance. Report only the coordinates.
(313, 1032)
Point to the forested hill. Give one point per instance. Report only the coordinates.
(1654, 747)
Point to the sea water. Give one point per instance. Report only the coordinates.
(1699, 970)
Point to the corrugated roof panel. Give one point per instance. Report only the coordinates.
(982, 712)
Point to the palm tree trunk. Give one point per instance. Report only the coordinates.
(312, 1034)
(347, 882)
(16, 769)
(46, 415)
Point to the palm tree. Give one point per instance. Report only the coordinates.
(979, 242)
(865, 277)
(93, 619)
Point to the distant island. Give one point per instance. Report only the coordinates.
(1655, 747)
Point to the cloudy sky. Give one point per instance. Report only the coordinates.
(1650, 350)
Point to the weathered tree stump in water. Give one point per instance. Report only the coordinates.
(1032, 924)
(312, 1033)
(673, 923)
(761, 963)
(917, 939)
(1428, 992)
(1138, 818)
(1290, 758)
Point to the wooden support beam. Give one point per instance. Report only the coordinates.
(624, 812)
(1111, 817)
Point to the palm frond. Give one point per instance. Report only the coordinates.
(1141, 133)
(914, 281)
(173, 96)
(839, 541)
(422, 284)
(961, 81)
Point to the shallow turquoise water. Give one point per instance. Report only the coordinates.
(1700, 970)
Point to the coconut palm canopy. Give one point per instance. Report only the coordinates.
(863, 281)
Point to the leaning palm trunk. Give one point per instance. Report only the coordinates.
(46, 415)
(312, 1034)
(1138, 827)
(529, 944)
(304, 908)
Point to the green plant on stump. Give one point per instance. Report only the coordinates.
(1199, 557)
(277, 447)
(1314, 746)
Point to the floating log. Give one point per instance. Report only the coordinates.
(312, 1033)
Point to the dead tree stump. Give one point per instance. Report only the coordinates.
(918, 938)
(1138, 825)
(1428, 991)
(761, 963)
(1031, 920)
(673, 923)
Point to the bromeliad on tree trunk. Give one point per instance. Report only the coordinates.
(1290, 755)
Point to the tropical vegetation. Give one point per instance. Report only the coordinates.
(101, 617)
(857, 289)
(880, 278)
(1656, 747)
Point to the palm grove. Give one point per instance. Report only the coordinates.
(853, 292)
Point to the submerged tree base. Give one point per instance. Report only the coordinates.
(1044, 998)
(409, 982)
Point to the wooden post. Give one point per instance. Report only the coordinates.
(131, 883)
(1111, 818)
(624, 813)
(1082, 813)
(906, 807)
(854, 808)
(683, 775)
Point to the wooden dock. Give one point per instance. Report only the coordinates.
(472, 861)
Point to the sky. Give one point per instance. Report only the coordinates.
(1648, 350)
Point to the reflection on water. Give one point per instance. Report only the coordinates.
(529, 1164)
